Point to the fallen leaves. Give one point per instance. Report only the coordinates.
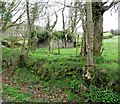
(38, 91)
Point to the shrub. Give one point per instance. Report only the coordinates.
(115, 32)
(107, 35)
(42, 35)
(98, 95)
(57, 34)
(61, 35)
(75, 85)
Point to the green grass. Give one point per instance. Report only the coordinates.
(56, 66)
(26, 77)
(10, 54)
(72, 97)
(109, 58)
(13, 94)
(48, 70)
(104, 35)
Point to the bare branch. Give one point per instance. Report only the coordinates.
(63, 16)
(16, 6)
(105, 8)
(11, 25)
(55, 22)
(105, 2)
(69, 6)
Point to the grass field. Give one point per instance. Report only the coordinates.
(56, 78)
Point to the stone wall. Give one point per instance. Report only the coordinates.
(62, 44)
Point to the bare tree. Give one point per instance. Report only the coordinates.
(63, 23)
(29, 26)
(31, 17)
(63, 16)
(99, 8)
(49, 29)
(75, 17)
(8, 11)
(10, 15)
(76, 20)
(83, 19)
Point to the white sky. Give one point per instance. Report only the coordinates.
(109, 21)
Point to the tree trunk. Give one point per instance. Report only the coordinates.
(49, 45)
(98, 10)
(89, 67)
(62, 43)
(58, 46)
(12, 43)
(65, 43)
(77, 40)
(29, 27)
(52, 44)
(99, 7)
(22, 57)
(98, 26)
(23, 45)
(98, 35)
(90, 33)
(83, 45)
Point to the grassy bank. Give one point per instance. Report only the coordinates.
(56, 78)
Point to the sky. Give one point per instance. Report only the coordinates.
(109, 21)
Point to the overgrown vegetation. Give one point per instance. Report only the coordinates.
(102, 95)
(58, 74)
(61, 76)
